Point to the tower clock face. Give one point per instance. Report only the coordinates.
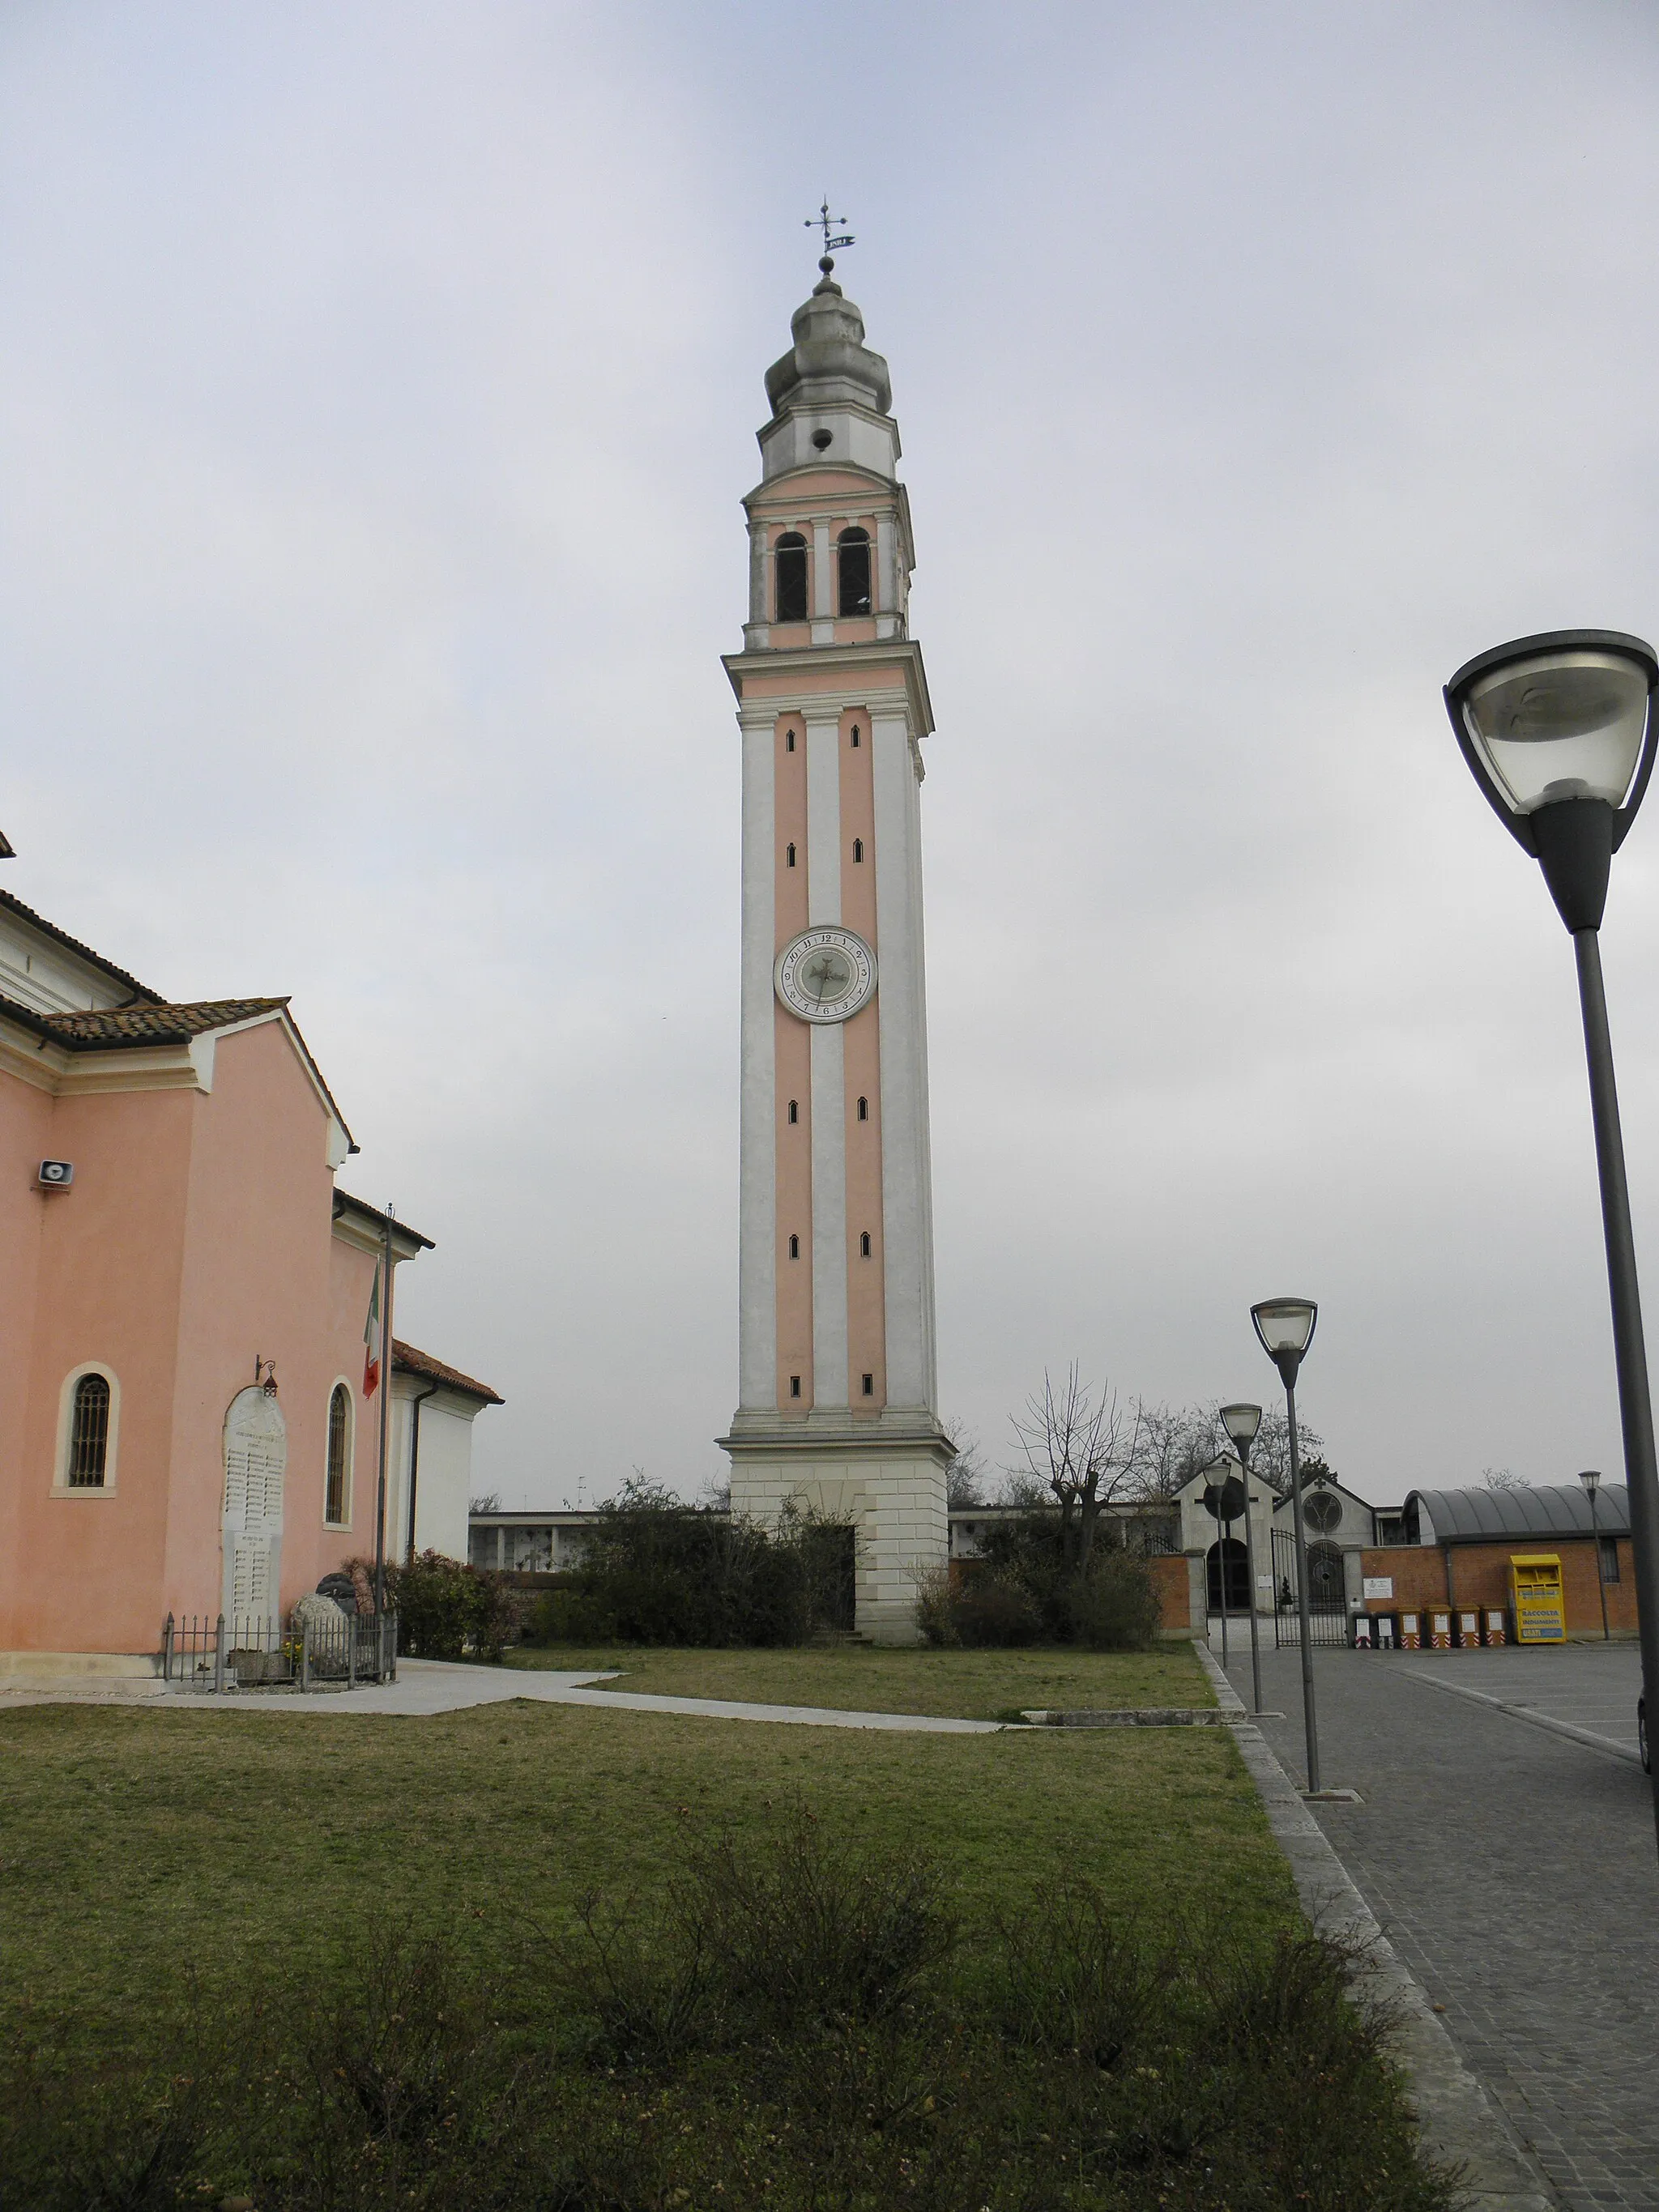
(825, 974)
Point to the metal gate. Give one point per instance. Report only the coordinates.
(1327, 1607)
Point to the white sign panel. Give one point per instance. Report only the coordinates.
(1379, 1585)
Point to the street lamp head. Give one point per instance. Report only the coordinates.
(1591, 1478)
(1557, 731)
(1241, 1423)
(1286, 1327)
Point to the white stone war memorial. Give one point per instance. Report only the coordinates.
(837, 1396)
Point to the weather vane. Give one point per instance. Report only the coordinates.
(833, 240)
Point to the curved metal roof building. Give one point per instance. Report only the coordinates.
(1502, 1516)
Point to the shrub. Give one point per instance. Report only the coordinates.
(444, 1606)
(996, 1610)
(1021, 1591)
(657, 1571)
(1113, 1608)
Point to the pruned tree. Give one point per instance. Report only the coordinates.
(1079, 1446)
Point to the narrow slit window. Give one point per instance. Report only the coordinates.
(88, 1434)
(863, 1110)
(858, 848)
(855, 737)
(794, 1109)
(794, 1247)
(853, 557)
(789, 856)
(790, 556)
(789, 741)
(869, 1386)
(864, 1245)
(794, 1386)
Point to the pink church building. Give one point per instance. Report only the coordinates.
(175, 1241)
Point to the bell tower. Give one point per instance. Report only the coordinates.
(837, 1397)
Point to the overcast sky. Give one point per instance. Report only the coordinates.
(378, 388)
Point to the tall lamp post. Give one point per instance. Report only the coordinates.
(1241, 1423)
(1591, 1480)
(1286, 1327)
(1558, 731)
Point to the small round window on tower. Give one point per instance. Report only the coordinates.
(822, 438)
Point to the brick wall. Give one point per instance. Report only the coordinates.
(1480, 1574)
(1172, 1578)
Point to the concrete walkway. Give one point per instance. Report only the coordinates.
(434, 1686)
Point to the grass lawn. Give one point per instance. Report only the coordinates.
(864, 1678)
(150, 1859)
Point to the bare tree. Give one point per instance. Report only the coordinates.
(1079, 1445)
(1499, 1478)
(967, 1478)
(1173, 1444)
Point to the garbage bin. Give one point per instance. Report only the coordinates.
(1468, 1631)
(1439, 1631)
(1496, 1626)
(1385, 1627)
(1359, 1635)
(1411, 1631)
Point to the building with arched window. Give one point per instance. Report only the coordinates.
(185, 1422)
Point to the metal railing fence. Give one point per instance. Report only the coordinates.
(216, 1653)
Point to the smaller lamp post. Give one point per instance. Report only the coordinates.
(1591, 1480)
(1286, 1327)
(1241, 1423)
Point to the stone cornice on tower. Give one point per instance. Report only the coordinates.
(794, 679)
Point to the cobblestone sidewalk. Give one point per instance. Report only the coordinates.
(1515, 1872)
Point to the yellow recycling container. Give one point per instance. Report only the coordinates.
(1536, 1599)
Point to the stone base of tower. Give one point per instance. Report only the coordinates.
(883, 1478)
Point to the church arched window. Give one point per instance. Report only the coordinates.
(790, 556)
(853, 567)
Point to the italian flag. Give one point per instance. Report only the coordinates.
(372, 1340)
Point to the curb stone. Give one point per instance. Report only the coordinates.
(1458, 2123)
(1573, 1733)
(1104, 1716)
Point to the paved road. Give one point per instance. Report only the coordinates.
(1515, 1871)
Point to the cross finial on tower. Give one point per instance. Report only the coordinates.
(826, 222)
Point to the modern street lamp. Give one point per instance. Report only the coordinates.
(1591, 1480)
(1241, 1423)
(1286, 1327)
(1558, 731)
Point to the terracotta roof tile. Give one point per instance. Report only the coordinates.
(105, 1028)
(404, 1356)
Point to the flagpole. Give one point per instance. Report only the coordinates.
(385, 1409)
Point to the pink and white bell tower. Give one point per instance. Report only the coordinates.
(837, 1397)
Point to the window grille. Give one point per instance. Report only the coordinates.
(1609, 1547)
(89, 1433)
(339, 1418)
